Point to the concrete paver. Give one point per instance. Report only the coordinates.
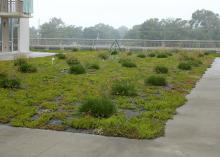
(194, 132)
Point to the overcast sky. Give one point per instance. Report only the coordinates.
(116, 12)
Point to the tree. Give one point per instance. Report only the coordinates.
(122, 31)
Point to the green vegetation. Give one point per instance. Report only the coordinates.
(52, 97)
(6, 82)
(98, 107)
(123, 88)
(103, 55)
(72, 61)
(141, 55)
(185, 66)
(161, 70)
(156, 81)
(93, 66)
(162, 55)
(27, 68)
(77, 69)
(61, 56)
(127, 63)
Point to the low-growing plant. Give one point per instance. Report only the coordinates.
(27, 68)
(98, 107)
(129, 53)
(114, 52)
(185, 66)
(195, 63)
(152, 55)
(72, 61)
(93, 66)
(161, 69)
(127, 63)
(77, 69)
(141, 55)
(61, 56)
(124, 88)
(75, 49)
(6, 82)
(103, 56)
(19, 61)
(156, 80)
(162, 55)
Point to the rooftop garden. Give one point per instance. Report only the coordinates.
(125, 94)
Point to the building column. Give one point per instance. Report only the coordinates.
(5, 35)
(23, 35)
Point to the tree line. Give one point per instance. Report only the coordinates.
(204, 25)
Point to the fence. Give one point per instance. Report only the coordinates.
(128, 44)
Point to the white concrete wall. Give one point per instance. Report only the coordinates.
(23, 35)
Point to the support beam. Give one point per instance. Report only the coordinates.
(5, 34)
(23, 35)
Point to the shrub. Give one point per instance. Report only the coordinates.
(127, 63)
(19, 61)
(156, 81)
(27, 68)
(162, 55)
(161, 69)
(152, 55)
(61, 56)
(6, 82)
(77, 69)
(72, 61)
(185, 66)
(123, 88)
(94, 66)
(103, 56)
(98, 107)
(141, 55)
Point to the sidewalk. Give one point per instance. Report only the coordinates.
(12, 55)
(194, 132)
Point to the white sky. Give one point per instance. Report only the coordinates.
(116, 12)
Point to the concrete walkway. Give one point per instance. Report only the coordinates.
(194, 132)
(12, 55)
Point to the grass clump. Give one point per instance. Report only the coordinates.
(124, 88)
(19, 61)
(156, 81)
(162, 55)
(77, 69)
(61, 56)
(127, 63)
(141, 55)
(103, 56)
(152, 55)
(161, 70)
(27, 68)
(114, 52)
(72, 61)
(6, 82)
(185, 66)
(98, 107)
(195, 63)
(93, 66)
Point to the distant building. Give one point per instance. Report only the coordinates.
(14, 25)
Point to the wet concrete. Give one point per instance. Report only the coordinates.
(13, 55)
(194, 132)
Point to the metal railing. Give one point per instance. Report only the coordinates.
(66, 43)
